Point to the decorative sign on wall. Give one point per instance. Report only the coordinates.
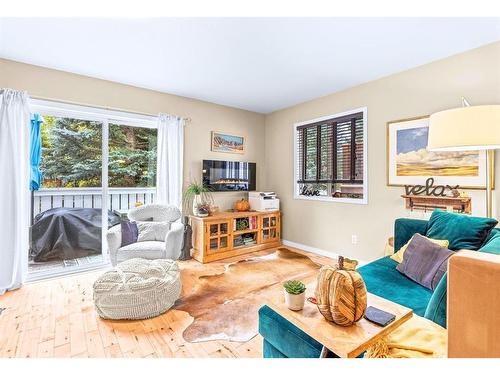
(430, 189)
(429, 197)
(309, 191)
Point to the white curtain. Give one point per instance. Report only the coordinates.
(169, 167)
(14, 189)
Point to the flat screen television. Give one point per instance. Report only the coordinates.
(220, 175)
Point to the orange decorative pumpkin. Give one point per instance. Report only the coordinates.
(242, 205)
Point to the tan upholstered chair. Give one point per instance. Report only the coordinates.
(474, 305)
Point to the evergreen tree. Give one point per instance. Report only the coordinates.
(72, 154)
(132, 156)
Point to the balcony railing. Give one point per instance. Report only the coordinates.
(119, 198)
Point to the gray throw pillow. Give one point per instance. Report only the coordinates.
(424, 261)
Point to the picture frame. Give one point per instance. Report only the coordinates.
(228, 143)
(408, 162)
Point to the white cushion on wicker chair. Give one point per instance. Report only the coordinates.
(137, 289)
(145, 249)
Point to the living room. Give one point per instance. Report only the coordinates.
(263, 187)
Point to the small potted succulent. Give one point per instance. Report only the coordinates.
(295, 294)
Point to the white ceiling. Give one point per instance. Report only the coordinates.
(259, 64)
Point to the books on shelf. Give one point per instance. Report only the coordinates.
(253, 222)
(238, 241)
(244, 240)
(245, 223)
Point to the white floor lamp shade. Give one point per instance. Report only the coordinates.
(467, 128)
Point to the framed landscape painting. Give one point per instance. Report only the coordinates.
(231, 143)
(410, 163)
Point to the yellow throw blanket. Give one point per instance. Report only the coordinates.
(416, 338)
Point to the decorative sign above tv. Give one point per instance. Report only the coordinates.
(220, 175)
(410, 163)
(234, 144)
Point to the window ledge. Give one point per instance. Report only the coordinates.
(363, 200)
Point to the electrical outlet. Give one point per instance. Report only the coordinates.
(354, 239)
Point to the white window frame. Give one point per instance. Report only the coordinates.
(104, 116)
(62, 109)
(329, 198)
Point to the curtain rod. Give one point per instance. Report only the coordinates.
(187, 119)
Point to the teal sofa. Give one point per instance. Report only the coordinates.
(283, 340)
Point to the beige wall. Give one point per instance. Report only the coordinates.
(420, 91)
(205, 117)
(269, 139)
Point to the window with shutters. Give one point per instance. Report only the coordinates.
(330, 158)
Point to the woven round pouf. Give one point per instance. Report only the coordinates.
(137, 289)
(341, 295)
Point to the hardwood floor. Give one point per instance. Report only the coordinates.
(56, 318)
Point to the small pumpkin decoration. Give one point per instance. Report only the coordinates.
(341, 293)
(242, 205)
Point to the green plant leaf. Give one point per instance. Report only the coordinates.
(294, 287)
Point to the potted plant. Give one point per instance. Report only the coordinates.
(196, 195)
(295, 294)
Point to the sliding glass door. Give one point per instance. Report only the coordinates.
(96, 165)
(67, 210)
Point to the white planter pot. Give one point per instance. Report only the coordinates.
(295, 302)
(196, 202)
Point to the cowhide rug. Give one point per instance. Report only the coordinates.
(225, 304)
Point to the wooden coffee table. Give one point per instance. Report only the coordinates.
(345, 342)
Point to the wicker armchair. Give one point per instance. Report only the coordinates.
(170, 248)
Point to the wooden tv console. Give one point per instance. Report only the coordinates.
(228, 234)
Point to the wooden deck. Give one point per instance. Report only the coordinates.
(56, 318)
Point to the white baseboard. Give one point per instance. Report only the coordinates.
(311, 249)
(315, 250)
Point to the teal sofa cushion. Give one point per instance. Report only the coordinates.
(492, 234)
(383, 279)
(462, 231)
(404, 229)
(436, 309)
(492, 245)
(283, 339)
